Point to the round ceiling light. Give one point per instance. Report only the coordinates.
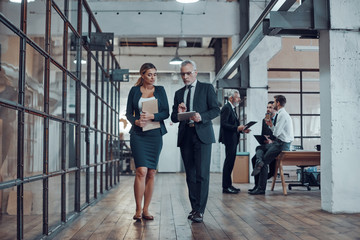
(187, 1)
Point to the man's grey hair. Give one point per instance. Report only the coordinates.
(232, 93)
(185, 62)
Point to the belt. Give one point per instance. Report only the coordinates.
(191, 125)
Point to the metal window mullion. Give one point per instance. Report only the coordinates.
(96, 123)
(106, 126)
(108, 122)
(111, 123)
(63, 123)
(21, 126)
(117, 130)
(102, 126)
(87, 135)
(301, 109)
(117, 122)
(46, 120)
(78, 111)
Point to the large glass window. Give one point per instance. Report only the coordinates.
(34, 79)
(8, 144)
(55, 130)
(34, 145)
(57, 30)
(55, 91)
(301, 89)
(48, 139)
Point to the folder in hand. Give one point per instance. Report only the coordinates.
(261, 139)
(150, 107)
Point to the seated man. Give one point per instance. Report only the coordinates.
(265, 154)
(265, 131)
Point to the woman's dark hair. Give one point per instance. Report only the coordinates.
(143, 69)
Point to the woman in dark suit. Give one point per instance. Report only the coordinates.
(146, 145)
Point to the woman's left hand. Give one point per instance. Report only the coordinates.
(146, 116)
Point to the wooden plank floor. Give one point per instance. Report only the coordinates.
(241, 216)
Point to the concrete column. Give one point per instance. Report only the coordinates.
(257, 93)
(340, 107)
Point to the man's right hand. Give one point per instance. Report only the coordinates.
(268, 140)
(241, 128)
(182, 108)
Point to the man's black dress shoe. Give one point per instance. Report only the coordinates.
(257, 168)
(257, 191)
(230, 190)
(191, 214)
(197, 217)
(252, 189)
(234, 188)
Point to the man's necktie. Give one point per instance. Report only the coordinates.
(275, 118)
(188, 98)
(235, 112)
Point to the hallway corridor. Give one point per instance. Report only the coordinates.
(241, 216)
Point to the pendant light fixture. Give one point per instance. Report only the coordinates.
(176, 60)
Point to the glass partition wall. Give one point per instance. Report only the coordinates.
(301, 87)
(58, 116)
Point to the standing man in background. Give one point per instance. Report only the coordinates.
(265, 154)
(195, 135)
(230, 130)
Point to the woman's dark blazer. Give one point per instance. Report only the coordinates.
(132, 108)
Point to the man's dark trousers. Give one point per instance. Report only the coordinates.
(267, 153)
(271, 169)
(230, 151)
(196, 157)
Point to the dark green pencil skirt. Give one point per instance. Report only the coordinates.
(146, 147)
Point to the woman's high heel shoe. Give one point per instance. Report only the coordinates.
(137, 217)
(147, 217)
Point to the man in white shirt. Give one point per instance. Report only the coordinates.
(265, 154)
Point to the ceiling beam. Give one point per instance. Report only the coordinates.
(247, 44)
(205, 42)
(160, 41)
(305, 21)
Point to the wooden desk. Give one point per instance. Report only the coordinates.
(294, 158)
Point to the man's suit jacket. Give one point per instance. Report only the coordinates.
(205, 103)
(228, 126)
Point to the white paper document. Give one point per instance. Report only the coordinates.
(151, 107)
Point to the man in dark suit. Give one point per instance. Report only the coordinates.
(266, 131)
(195, 135)
(230, 130)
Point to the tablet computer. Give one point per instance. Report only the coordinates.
(260, 138)
(249, 124)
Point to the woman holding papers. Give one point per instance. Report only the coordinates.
(147, 108)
